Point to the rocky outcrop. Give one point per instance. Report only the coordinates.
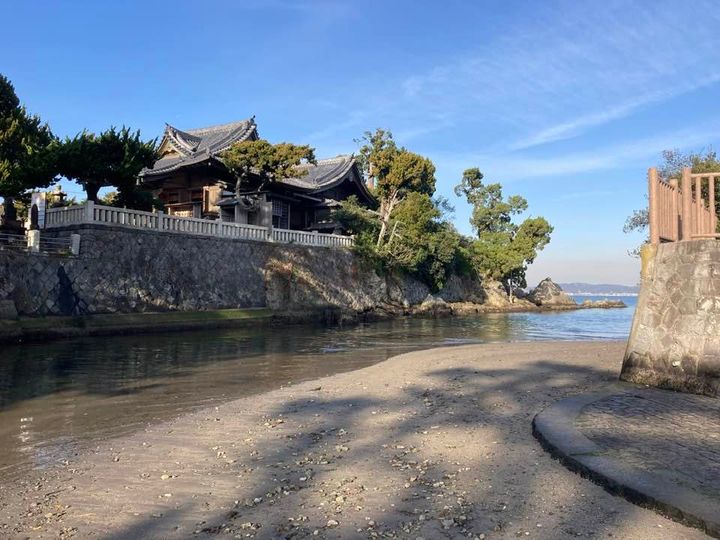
(549, 294)
(433, 305)
(603, 304)
(122, 270)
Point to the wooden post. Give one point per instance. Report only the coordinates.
(674, 211)
(654, 207)
(699, 207)
(711, 205)
(686, 204)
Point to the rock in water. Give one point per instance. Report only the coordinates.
(548, 293)
(433, 305)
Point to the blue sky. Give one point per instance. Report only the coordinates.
(564, 102)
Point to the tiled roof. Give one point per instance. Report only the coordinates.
(198, 145)
(323, 175)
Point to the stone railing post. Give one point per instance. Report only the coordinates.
(89, 212)
(75, 244)
(160, 215)
(33, 241)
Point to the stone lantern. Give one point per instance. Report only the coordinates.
(57, 196)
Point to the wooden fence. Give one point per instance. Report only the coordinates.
(159, 221)
(684, 210)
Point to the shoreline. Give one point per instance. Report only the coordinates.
(51, 328)
(431, 443)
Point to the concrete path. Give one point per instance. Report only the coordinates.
(657, 448)
(432, 444)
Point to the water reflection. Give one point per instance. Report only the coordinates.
(56, 398)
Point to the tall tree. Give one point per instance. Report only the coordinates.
(269, 162)
(490, 212)
(395, 172)
(421, 241)
(112, 158)
(25, 149)
(503, 248)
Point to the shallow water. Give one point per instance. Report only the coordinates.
(57, 398)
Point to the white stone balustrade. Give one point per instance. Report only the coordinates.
(159, 221)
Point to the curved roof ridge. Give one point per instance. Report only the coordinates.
(241, 133)
(183, 142)
(222, 127)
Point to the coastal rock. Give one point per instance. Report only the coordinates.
(149, 272)
(548, 293)
(495, 294)
(604, 304)
(433, 305)
(463, 289)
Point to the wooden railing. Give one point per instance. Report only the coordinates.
(159, 221)
(682, 211)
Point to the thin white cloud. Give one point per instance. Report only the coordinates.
(563, 69)
(514, 166)
(580, 124)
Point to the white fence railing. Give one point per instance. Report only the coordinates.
(159, 221)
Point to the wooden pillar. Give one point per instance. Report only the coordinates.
(686, 204)
(675, 210)
(654, 207)
(711, 205)
(699, 207)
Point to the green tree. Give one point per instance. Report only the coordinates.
(396, 172)
(420, 241)
(503, 248)
(490, 212)
(364, 225)
(25, 149)
(112, 158)
(266, 161)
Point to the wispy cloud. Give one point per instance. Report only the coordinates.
(554, 74)
(580, 124)
(514, 166)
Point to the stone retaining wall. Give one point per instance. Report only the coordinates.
(127, 270)
(675, 337)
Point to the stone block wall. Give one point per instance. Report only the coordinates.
(675, 337)
(129, 270)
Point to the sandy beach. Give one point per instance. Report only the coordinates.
(430, 444)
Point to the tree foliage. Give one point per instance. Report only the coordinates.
(490, 212)
(111, 158)
(412, 231)
(25, 146)
(423, 243)
(503, 248)
(267, 161)
(396, 172)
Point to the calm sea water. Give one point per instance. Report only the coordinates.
(57, 398)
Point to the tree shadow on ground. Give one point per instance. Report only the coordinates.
(449, 455)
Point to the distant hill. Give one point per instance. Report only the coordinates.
(599, 289)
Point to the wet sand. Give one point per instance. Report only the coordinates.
(430, 444)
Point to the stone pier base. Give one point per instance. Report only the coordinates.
(675, 338)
